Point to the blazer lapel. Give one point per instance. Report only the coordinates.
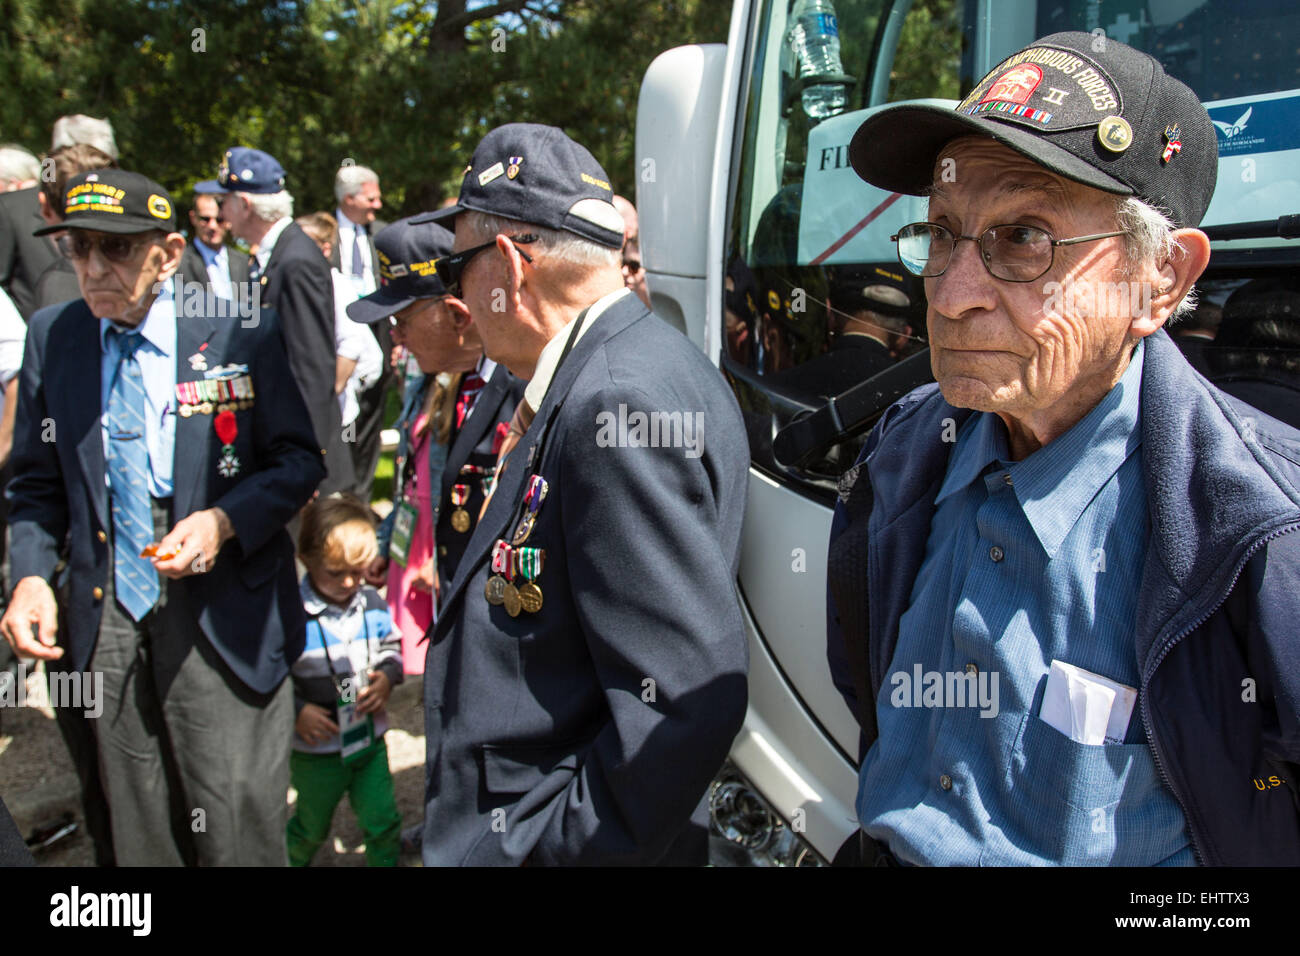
(476, 427)
(190, 453)
(522, 461)
(85, 378)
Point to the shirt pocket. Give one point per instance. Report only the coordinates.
(1062, 798)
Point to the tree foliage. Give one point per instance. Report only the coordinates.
(406, 88)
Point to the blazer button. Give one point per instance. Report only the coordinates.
(101, 536)
(97, 594)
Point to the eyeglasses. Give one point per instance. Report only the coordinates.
(1014, 253)
(208, 218)
(120, 249)
(450, 268)
(632, 265)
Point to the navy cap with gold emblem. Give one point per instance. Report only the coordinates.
(406, 249)
(245, 170)
(1088, 108)
(115, 200)
(536, 174)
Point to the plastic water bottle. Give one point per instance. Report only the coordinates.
(814, 37)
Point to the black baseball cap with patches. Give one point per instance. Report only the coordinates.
(1088, 108)
(407, 250)
(537, 174)
(114, 200)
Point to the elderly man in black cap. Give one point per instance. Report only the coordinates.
(159, 459)
(597, 594)
(1079, 647)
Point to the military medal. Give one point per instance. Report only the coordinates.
(197, 362)
(460, 517)
(536, 494)
(511, 598)
(495, 590)
(513, 169)
(530, 564)
(227, 430)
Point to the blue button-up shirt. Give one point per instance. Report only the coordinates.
(157, 358)
(217, 263)
(1027, 562)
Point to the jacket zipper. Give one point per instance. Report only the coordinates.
(1169, 646)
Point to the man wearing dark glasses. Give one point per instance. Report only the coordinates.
(586, 675)
(157, 459)
(1080, 645)
(207, 260)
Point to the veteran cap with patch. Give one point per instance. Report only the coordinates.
(407, 249)
(114, 200)
(1088, 108)
(536, 174)
(245, 170)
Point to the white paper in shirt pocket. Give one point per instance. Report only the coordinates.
(1086, 707)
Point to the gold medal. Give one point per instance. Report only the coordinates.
(530, 596)
(187, 411)
(495, 590)
(460, 520)
(512, 601)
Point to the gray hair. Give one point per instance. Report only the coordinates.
(350, 178)
(1149, 239)
(17, 164)
(79, 128)
(270, 207)
(558, 244)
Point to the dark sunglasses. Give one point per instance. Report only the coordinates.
(632, 265)
(208, 218)
(450, 268)
(119, 249)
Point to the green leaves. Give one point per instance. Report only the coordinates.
(406, 88)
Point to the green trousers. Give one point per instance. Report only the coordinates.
(321, 780)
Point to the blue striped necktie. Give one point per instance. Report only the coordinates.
(134, 577)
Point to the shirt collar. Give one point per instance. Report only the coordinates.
(158, 327)
(344, 222)
(546, 362)
(486, 368)
(272, 236)
(315, 605)
(209, 254)
(1055, 484)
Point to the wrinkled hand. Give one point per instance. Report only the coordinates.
(377, 572)
(425, 580)
(314, 724)
(194, 543)
(32, 603)
(375, 694)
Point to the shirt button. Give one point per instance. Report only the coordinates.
(101, 536)
(945, 782)
(996, 553)
(971, 668)
(97, 594)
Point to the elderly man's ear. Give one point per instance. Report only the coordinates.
(173, 250)
(1174, 280)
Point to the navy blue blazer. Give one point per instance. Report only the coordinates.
(472, 447)
(589, 731)
(247, 603)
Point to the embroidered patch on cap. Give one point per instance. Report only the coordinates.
(159, 207)
(1045, 88)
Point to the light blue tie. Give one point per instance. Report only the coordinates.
(134, 577)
